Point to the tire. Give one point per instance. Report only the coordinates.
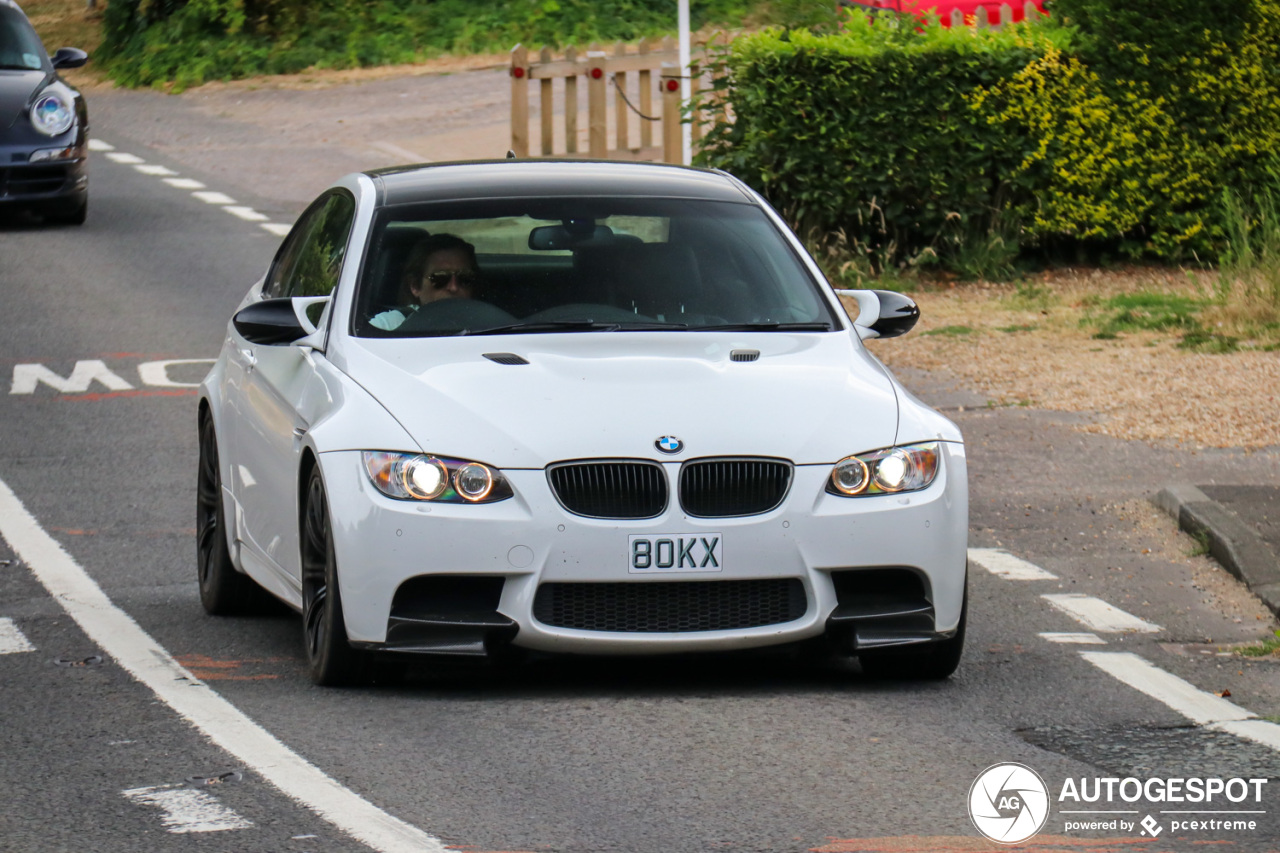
(223, 590)
(331, 661)
(934, 661)
(73, 215)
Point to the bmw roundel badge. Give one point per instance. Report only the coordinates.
(669, 444)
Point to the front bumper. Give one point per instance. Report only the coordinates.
(814, 540)
(51, 184)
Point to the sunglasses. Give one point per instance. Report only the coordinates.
(441, 278)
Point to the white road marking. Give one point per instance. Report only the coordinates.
(127, 159)
(276, 228)
(248, 214)
(1081, 639)
(184, 183)
(1005, 565)
(12, 640)
(1261, 731)
(152, 169)
(99, 145)
(396, 151)
(115, 632)
(27, 376)
(1100, 616)
(156, 373)
(188, 810)
(1183, 697)
(210, 197)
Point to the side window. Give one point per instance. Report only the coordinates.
(310, 260)
(320, 257)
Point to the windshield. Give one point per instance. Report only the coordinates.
(530, 266)
(20, 47)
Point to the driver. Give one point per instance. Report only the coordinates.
(441, 266)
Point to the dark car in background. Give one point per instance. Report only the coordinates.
(44, 127)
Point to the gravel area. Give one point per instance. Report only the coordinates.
(1026, 345)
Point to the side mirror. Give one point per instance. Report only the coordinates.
(277, 321)
(883, 313)
(69, 57)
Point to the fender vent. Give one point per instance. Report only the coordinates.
(505, 358)
(744, 354)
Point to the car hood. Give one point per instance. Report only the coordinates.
(16, 89)
(811, 398)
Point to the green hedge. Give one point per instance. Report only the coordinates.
(870, 131)
(152, 42)
(1116, 132)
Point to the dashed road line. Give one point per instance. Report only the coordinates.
(13, 640)
(1005, 565)
(187, 810)
(184, 183)
(173, 179)
(1099, 615)
(1079, 639)
(248, 214)
(115, 632)
(214, 197)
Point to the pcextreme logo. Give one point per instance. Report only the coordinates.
(1008, 803)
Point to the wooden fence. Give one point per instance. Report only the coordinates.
(655, 68)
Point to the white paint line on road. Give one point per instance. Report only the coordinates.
(184, 183)
(152, 169)
(188, 810)
(12, 640)
(115, 632)
(396, 151)
(1183, 697)
(1100, 616)
(99, 145)
(248, 214)
(210, 197)
(276, 228)
(1261, 731)
(1081, 639)
(1005, 565)
(127, 159)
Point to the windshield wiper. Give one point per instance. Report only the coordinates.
(7, 67)
(545, 326)
(765, 327)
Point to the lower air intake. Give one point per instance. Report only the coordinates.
(670, 606)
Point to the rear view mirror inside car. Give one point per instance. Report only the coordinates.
(550, 237)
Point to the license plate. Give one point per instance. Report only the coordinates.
(657, 553)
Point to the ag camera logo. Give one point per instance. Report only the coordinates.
(1008, 803)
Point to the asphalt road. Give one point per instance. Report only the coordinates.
(755, 752)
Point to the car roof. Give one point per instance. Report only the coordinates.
(511, 178)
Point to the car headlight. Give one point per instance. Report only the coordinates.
(52, 114)
(423, 477)
(885, 472)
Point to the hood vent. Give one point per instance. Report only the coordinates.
(505, 358)
(744, 354)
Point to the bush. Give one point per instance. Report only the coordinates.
(870, 132)
(148, 42)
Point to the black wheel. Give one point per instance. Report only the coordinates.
(330, 658)
(927, 662)
(74, 214)
(223, 590)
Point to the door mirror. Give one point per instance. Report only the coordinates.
(69, 57)
(275, 321)
(883, 313)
